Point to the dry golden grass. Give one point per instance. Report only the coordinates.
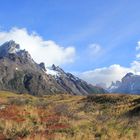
(65, 117)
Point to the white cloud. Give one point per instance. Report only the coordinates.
(138, 49)
(138, 56)
(106, 74)
(135, 65)
(94, 49)
(138, 46)
(41, 50)
(112, 73)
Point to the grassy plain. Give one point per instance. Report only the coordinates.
(66, 117)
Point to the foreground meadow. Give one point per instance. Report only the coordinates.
(65, 117)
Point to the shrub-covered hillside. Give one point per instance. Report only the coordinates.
(66, 117)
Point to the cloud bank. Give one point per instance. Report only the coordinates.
(41, 50)
(112, 73)
(105, 75)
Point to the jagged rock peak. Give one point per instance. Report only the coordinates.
(24, 54)
(12, 49)
(11, 44)
(129, 84)
(9, 47)
(42, 65)
(129, 74)
(57, 68)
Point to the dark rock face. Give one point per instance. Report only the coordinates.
(58, 69)
(21, 74)
(130, 84)
(42, 65)
(75, 85)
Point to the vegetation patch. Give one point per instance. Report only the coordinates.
(65, 117)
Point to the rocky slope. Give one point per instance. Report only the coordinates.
(21, 74)
(130, 83)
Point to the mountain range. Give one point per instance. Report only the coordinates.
(129, 84)
(21, 74)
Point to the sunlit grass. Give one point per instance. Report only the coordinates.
(66, 117)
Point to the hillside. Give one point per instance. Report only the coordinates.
(67, 117)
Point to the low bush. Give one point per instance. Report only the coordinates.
(64, 110)
(19, 101)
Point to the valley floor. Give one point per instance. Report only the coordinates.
(65, 117)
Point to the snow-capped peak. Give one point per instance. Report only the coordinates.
(9, 47)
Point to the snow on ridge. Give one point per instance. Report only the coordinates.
(52, 72)
(13, 50)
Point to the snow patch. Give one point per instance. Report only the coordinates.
(52, 72)
(13, 50)
(74, 78)
(113, 87)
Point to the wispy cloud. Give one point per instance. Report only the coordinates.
(94, 49)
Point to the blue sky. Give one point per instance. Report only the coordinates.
(114, 26)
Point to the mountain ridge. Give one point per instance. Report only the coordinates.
(129, 84)
(21, 74)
